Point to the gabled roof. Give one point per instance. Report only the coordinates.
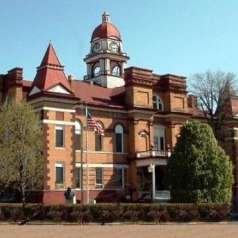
(50, 73)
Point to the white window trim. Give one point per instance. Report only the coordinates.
(60, 165)
(120, 131)
(99, 185)
(78, 188)
(161, 133)
(60, 127)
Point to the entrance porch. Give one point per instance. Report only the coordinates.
(151, 175)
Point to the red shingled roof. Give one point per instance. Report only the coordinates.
(98, 96)
(50, 57)
(106, 30)
(27, 83)
(51, 72)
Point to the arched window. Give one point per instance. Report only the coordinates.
(99, 139)
(96, 71)
(119, 136)
(78, 135)
(158, 103)
(116, 71)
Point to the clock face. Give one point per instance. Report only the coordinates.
(96, 47)
(114, 47)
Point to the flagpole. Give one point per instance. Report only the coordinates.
(86, 154)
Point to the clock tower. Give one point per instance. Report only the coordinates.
(106, 60)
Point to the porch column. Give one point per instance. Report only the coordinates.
(153, 181)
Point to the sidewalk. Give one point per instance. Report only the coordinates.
(199, 230)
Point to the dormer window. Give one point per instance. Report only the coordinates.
(116, 71)
(158, 103)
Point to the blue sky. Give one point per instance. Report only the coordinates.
(169, 36)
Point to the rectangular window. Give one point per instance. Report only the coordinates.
(77, 141)
(154, 102)
(78, 177)
(98, 142)
(59, 173)
(156, 146)
(118, 177)
(59, 136)
(119, 141)
(161, 143)
(99, 177)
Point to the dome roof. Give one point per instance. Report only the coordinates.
(106, 29)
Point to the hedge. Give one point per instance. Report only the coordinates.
(108, 213)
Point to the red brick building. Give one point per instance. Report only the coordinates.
(140, 112)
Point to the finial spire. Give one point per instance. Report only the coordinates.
(105, 17)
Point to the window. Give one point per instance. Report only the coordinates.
(59, 173)
(78, 177)
(159, 137)
(78, 135)
(157, 103)
(119, 177)
(96, 71)
(119, 138)
(59, 136)
(116, 71)
(99, 177)
(99, 139)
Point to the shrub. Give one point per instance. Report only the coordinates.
(107, 213)
(2, 218)
(55, 213)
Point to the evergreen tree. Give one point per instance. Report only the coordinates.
(199, 170)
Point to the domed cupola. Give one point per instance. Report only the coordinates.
(106, 30)
(105, 62)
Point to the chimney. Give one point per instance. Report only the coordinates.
(15, 75)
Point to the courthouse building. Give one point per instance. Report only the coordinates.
(140, 113)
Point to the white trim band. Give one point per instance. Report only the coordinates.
(102, 165)
(102, 152)
(55, 122)
(55, 109)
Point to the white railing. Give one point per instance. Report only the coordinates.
(153, 153)
(162, 195)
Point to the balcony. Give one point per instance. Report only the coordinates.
(153, 154)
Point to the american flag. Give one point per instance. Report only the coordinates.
(92, 124)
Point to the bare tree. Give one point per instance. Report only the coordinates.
(21, 162)
(213, 90)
